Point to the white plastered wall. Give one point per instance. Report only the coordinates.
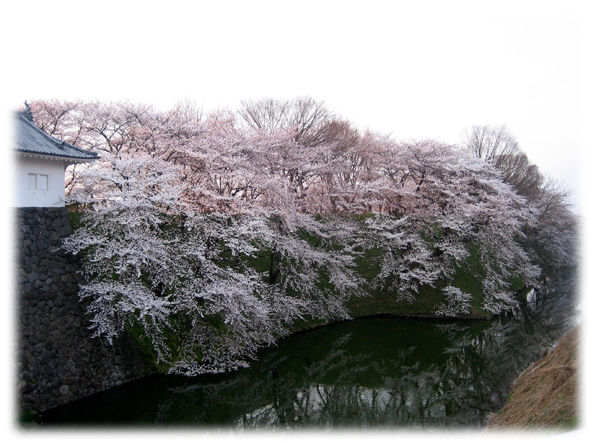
(51, 197)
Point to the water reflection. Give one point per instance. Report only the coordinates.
(372, 372)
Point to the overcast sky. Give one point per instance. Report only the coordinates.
(415, 69)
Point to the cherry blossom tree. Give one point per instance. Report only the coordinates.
(551, 237)
(453, 205)
(223, 229)
(127, 258)
(153, 262)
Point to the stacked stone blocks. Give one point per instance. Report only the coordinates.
(58, 360)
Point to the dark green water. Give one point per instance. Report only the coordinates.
(370, 372)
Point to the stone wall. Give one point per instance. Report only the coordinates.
(58, 360)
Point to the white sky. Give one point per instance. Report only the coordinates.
(416, 69)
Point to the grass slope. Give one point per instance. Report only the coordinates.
(544, 396)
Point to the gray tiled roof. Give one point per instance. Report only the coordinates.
(30, 139)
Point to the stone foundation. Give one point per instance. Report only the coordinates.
(58, 360)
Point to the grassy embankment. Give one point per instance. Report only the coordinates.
(381, 300)
(372, 300)
(385, 301)
(544, 396)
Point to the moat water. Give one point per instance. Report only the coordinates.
(373, 372)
